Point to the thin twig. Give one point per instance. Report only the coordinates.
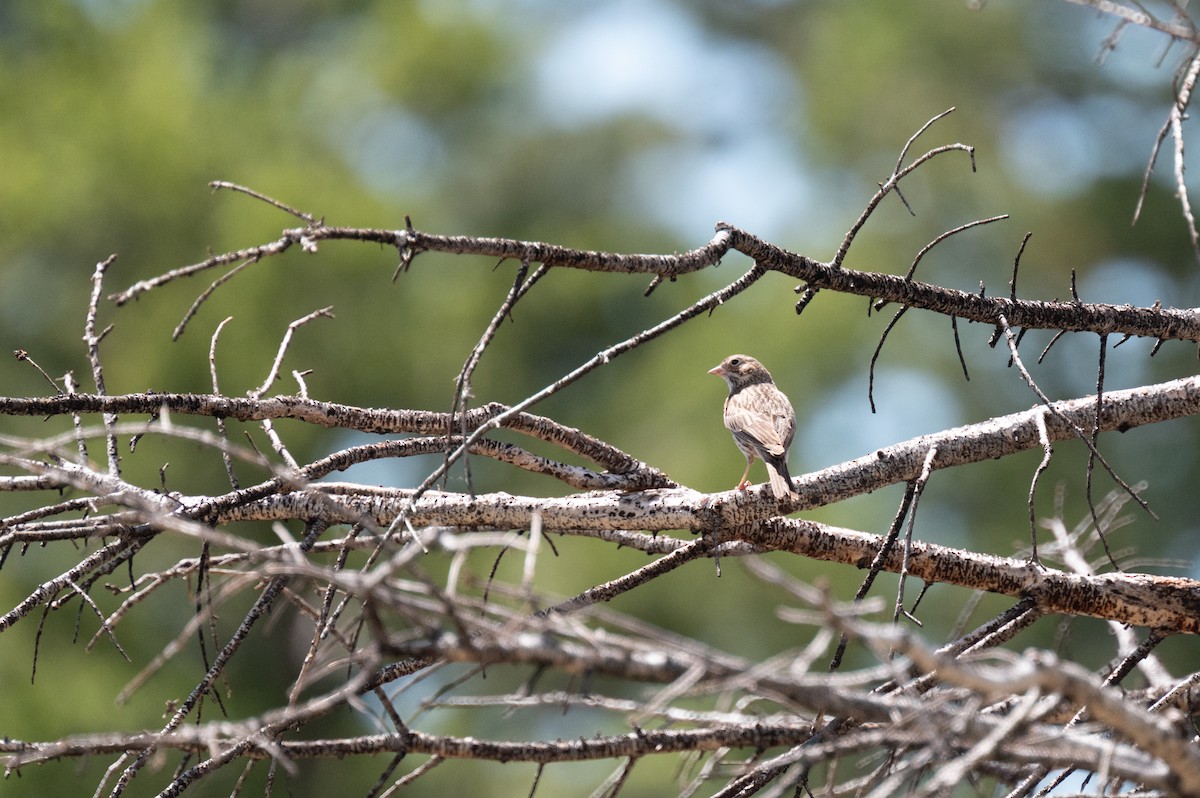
(898, 173)
(1078, 431)
(92, 339)
(462, 386)
(1047, 454)
(23, 357)
(220, 184)
(878, 350)
(194, 308)
(1093, 452)
(912, 269)
(918, 488)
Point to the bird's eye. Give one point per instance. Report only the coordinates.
(737, 361)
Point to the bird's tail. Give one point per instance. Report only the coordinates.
(781, 481)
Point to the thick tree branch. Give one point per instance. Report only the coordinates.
(997, 437)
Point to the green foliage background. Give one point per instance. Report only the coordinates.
(631, 127)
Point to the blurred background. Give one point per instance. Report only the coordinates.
(624, 126)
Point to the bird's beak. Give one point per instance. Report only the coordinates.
(720, 372)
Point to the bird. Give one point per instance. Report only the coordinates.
(761, 419)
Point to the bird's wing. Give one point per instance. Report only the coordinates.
(759, 419)
(785, 420)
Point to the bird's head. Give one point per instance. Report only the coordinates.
(739, 371)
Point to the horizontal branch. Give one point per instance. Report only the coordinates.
(987, 440)
(681, 508)
(333, 415)
(554, 255)
(1146, 600)
(1153, 322)
(639, 743)
(410, 242)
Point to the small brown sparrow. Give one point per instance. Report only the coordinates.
(761, 419)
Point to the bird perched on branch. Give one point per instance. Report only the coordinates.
(761, 419)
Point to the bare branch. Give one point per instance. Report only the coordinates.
(394, 631)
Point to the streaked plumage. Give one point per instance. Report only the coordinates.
(761, 419)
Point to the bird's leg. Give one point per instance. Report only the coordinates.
(744, 483)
